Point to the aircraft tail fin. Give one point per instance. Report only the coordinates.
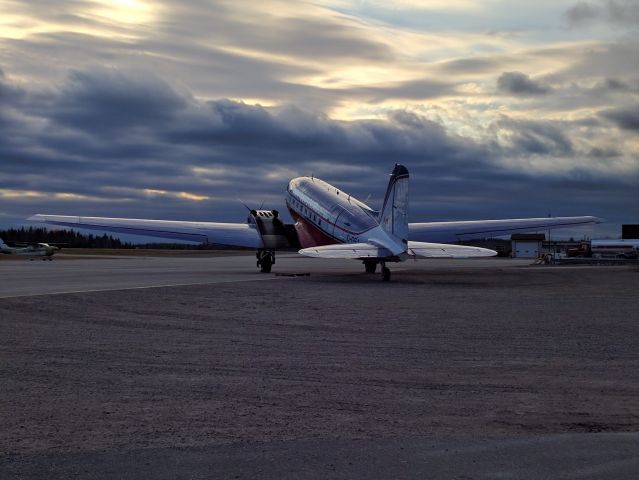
(3, 245)
(393, 217)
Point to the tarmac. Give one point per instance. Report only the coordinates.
(202, 367)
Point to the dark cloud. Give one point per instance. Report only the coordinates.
(202, 65)
(604, 153)
(257, 29)
(618, 60)
(111, 136)
(616, 85)
(520, 84)
(110, 127)
(624, 117)
(617, 12)
(10, 94)
(106, 99)
(581, 12)
(470, 65)
(413, 90)
(536, 137)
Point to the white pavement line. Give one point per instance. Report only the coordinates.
(114, 289)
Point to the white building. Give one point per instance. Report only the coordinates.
(527, 245)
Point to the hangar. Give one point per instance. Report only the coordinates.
(527, 245)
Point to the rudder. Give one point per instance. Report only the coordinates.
(394, 213)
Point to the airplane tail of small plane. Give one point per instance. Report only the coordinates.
(3, 245)
(393, 217)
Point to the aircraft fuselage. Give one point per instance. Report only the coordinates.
(325, 215)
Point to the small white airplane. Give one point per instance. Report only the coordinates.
(43, 250)
(330, 223)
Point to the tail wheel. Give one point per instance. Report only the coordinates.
(385, 274)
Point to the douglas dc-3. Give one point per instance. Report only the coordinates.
(330, 223)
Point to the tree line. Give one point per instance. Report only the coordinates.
(73, 239)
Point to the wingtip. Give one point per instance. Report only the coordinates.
(308, 252)
(485, 252)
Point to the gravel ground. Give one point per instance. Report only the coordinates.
(483, 354)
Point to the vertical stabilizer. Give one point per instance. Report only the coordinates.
(394, 215)
(3, 245)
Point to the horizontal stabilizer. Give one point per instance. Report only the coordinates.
(347, 250)
(443, 250)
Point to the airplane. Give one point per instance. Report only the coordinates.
(43, 250)
(330, 223)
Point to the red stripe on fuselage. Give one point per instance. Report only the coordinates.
(310, 235)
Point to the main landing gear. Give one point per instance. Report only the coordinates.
(371, 265)
(265, 259)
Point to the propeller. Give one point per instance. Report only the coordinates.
(249, 208)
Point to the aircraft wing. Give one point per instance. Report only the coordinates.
(442, 250)
(347, 250)
(232, 234)
(467, 230)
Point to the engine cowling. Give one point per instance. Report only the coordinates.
(274, 232)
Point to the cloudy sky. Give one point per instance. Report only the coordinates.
(174, 110)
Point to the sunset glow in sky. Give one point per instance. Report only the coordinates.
(175, 110)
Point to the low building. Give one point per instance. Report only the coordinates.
(527, 245)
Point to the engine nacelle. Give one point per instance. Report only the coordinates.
(275, 233)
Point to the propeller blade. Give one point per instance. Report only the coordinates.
(245, 205)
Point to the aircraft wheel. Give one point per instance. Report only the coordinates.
(265, 264)
(370, 266)
(385, 274)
